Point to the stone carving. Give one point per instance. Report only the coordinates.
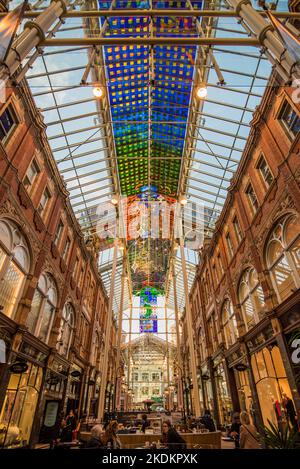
(23, 196)
(63, 266)
(38, 222)
(72, 282)
(54, 250)
(78, 293)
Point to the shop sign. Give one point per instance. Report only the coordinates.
(18, 367)
(53, 381)
(205, 377)
(293, 341)
(51, 413)
(240, 367)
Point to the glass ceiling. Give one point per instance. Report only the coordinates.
(148, 129)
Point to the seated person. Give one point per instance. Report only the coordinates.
(95, 439)
(171, 438)
(207, 421)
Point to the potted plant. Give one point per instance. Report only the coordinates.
(273, 438)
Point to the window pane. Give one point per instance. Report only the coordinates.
(2, 258)
(278, 363)
(46, 320)
(34, 312)
(6, 123)
(283, 277)
(10, 287)
(295, 251)
(258, 299)
(291, 230)
(269, 364)
(248, 312)
(274, 252)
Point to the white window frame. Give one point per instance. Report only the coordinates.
(285, 253)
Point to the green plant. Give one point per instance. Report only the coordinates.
(273, 438)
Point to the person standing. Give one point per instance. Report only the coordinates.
(289, 408)
(234, 431)
(145, 423)
(249, 438)
(68, 426)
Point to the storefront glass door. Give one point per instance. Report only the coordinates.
(18, 410)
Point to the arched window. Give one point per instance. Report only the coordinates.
(251, 297)
(229, 323)
(14, 265)
(41, 316)
(283, 256)
(67, 325)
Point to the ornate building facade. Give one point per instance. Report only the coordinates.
(53, 304)
(246, 295)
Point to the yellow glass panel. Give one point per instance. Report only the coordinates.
(278, 363)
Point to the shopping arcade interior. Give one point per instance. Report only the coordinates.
(206, 162)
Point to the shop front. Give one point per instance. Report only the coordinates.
(94, 400)
(290, 323)
(270, 377)
(208, 398)
(53, 400)
(243, 393)
(224, 402)
(22, 395)
(74, 389)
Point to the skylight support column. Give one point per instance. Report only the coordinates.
(168, 360)
(108, 333)
(118, 360)
(129, 355)
(264, 31)
(94, 52)
(193, 366)
(179, 358)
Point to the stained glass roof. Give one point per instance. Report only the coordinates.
(149, 90)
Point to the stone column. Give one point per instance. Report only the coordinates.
(264, 31)
(34, 32)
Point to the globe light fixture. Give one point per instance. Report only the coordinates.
(114, 199)
(201, 92)
(183, 200)
(98, 92)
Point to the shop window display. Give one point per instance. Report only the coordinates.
(283, 258)
(41, 316)
(245, 394)
(209, 394)
(18, 410)
(14, 265)
(224, 400)
(271, 384)
(251, 297)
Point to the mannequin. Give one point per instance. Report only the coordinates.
(278, 413)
